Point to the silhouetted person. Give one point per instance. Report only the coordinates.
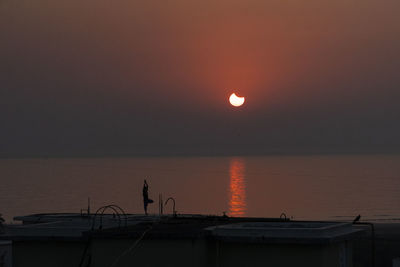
(146, 199)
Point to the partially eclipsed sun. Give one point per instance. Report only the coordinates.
(235, 100)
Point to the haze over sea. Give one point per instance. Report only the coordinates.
(303, 187)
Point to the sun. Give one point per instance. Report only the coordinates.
(235, 100)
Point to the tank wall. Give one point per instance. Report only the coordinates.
(235, 254)
(176, 253)
(149, 253)
(6, 253)
(47, 254)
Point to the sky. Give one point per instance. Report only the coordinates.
(132, 78)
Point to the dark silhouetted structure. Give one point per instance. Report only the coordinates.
(146, 199)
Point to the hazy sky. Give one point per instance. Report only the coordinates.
(126, 77)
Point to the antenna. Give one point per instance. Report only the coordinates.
(160, 205)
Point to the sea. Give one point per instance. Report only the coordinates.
(328, 187)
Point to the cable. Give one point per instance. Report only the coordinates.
(131, 248)
(85, 253)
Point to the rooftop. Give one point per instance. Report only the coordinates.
(75, 227)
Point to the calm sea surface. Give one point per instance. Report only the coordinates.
(303, 187)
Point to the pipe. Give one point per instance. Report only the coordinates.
(103, 209)
(173, 208)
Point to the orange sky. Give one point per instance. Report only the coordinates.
(297, 58)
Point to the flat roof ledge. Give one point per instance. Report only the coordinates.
(285, 232)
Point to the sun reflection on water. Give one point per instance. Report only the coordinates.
(237, 202)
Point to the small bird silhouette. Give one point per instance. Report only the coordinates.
(357, 219)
